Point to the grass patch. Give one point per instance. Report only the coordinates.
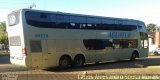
(4, 53)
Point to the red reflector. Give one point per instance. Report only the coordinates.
(24, 51)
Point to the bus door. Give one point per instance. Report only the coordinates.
(49, 57)
(144, 43)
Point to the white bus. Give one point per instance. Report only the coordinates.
(43, 39)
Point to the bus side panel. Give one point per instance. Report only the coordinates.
(49, 53)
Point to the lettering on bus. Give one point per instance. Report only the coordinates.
(119, 35)
(42, 36)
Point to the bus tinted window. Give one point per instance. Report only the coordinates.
(42, 20)
(38, 19)
(100, 44)
(43, 15)
(35, 46)
(97, 44)
(125, 43)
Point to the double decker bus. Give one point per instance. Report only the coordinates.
(43, 39)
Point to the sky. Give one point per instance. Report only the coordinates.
(144, 10)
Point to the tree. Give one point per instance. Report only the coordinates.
(3, 27)
(3, 35)
(151, 27)
(4, 39)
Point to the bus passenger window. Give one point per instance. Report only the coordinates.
(43, 15)
(125, 43)
(97, 44)
(35, 46)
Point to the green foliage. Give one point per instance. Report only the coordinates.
(2, 27)
(3, 34)
(4, 39)
(151, 27)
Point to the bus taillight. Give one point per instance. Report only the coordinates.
(24, 51)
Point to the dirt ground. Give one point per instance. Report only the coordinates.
(148, 66)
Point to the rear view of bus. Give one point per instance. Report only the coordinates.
(16, 38)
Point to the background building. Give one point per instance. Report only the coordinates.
(152, 41)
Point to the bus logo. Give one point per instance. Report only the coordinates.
(119, 35)
(41, 36)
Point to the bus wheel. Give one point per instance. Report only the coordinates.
(64, 62)
(155, 53)
(133, 57)
(79, 60)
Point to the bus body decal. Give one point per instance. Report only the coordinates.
(119, 35)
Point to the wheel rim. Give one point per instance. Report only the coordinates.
(78, 61)
(64, 63)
